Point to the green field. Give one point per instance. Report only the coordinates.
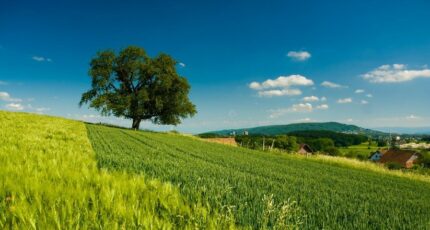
(242, 181)
(49, 180)
(355, 151)
(62, 174)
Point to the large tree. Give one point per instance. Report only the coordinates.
(135, 86)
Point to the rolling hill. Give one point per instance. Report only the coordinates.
(76, 175)
(285, 129)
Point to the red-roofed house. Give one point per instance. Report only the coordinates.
(305, 149)
(406, 158)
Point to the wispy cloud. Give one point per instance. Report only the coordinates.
(42, 109)
(412, 117)
(329, 84)
(181, 64)
(311, 99)
(299, 55)
(358, 91)
(394, 74)
(344, 100)
(41, 59)
(306, 119)
(297, 108)
(14, 106)
(364, 102)
(322, 107)
(369, 95)
(281, 86)
(279, 92)
(4, 96)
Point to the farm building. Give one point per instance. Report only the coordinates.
(305, 149)
(406, 158)
(376, 156)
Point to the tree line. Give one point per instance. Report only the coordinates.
(326, 142)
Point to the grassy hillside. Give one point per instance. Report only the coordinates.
(63, 174)
(262, 189)
(49, 179)
(284, 129)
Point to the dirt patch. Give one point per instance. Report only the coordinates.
(226, 141)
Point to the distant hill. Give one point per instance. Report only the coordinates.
(285, 129)
(406, 130)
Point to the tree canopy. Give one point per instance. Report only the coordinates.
(135, 86)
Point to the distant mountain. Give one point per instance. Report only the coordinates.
(285, 129)
(406, 130)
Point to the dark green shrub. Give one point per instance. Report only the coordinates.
(393, 165)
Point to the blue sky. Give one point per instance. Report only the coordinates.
(249, 63)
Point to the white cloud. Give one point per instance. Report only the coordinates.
(282, 82)
(279, 92)
(14, 106)
(329, 84)
(281, 86)
(4, 96)
(349, 120)
(344, 100)
(41, 59)
(296, 108)
(359, 91)
(42, 109)
(323, 99)
(255, 85)
(299, 55)
(307, 119)
(311, 99)
(369, 95)
(364, 102)
(322, 107)
(412, 117)
(302, 107)
(395, 73)
(181, 64)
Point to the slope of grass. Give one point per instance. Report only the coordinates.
(49, 180)
(246, 182)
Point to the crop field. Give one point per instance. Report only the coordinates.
(49, 179)
(62, 174)
(262, 189)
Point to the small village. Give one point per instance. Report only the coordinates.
(396, 153)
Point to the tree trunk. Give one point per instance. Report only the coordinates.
(136, 123)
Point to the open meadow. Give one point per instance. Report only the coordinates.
(65, 174)
(49, 179)
(248, 183)
(361, 151)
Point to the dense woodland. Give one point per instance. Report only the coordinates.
(339, 139)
